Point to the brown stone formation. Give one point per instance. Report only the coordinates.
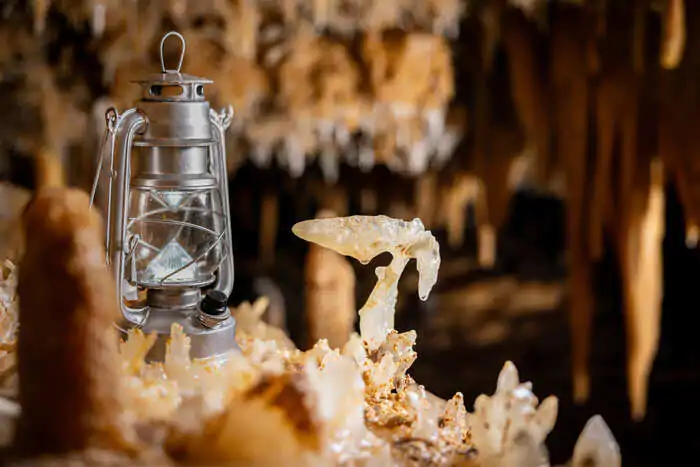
(329, 293)
(67, 355)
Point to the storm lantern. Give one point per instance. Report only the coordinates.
(167, 217)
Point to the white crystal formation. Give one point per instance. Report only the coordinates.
(510, 421)
(596, 446)
(364, 238)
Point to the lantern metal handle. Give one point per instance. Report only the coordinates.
(128, 125)
(182, 52)
(221, 122)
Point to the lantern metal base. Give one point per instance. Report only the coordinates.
(214, 343)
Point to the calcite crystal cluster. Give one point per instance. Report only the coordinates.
(8, 321)
(273, 404)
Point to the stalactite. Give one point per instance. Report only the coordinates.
(267, 45)
(49, 171)
(473, 190)
(491, 213)
(411, 77)
(639, 34)
(596, 12)
(528, 86)
(242, 22)
(491, 30)
(641, 246)
(628, 197)
(678, 121)
(570, 90)
(606, 124)
(276, 312)
(674, 34)
(41, 11)
(63, 122)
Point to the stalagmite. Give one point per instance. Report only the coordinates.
(66, 340)
(269, 217)
(335, 200)
(495, 192)
(570, 86)
(276, 313)
(486, 255)
(242, 20)
(596, 446)
(674, 34)
(425, 197)
(464, 189)
(368, 201)
(510, 427)
(49, 172)
(691, 236)
(329, 294)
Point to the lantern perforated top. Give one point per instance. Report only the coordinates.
(172, 85)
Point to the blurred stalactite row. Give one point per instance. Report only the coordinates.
(595, 101)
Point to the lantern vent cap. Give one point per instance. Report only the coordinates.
(172, 84)
(172, 77)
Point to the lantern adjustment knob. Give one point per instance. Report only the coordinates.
(213, 309)
(215, 303)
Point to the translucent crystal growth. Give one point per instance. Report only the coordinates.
(8, 303)
(596, 447)
(171, 258)
(365, 237)
(509, 423)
